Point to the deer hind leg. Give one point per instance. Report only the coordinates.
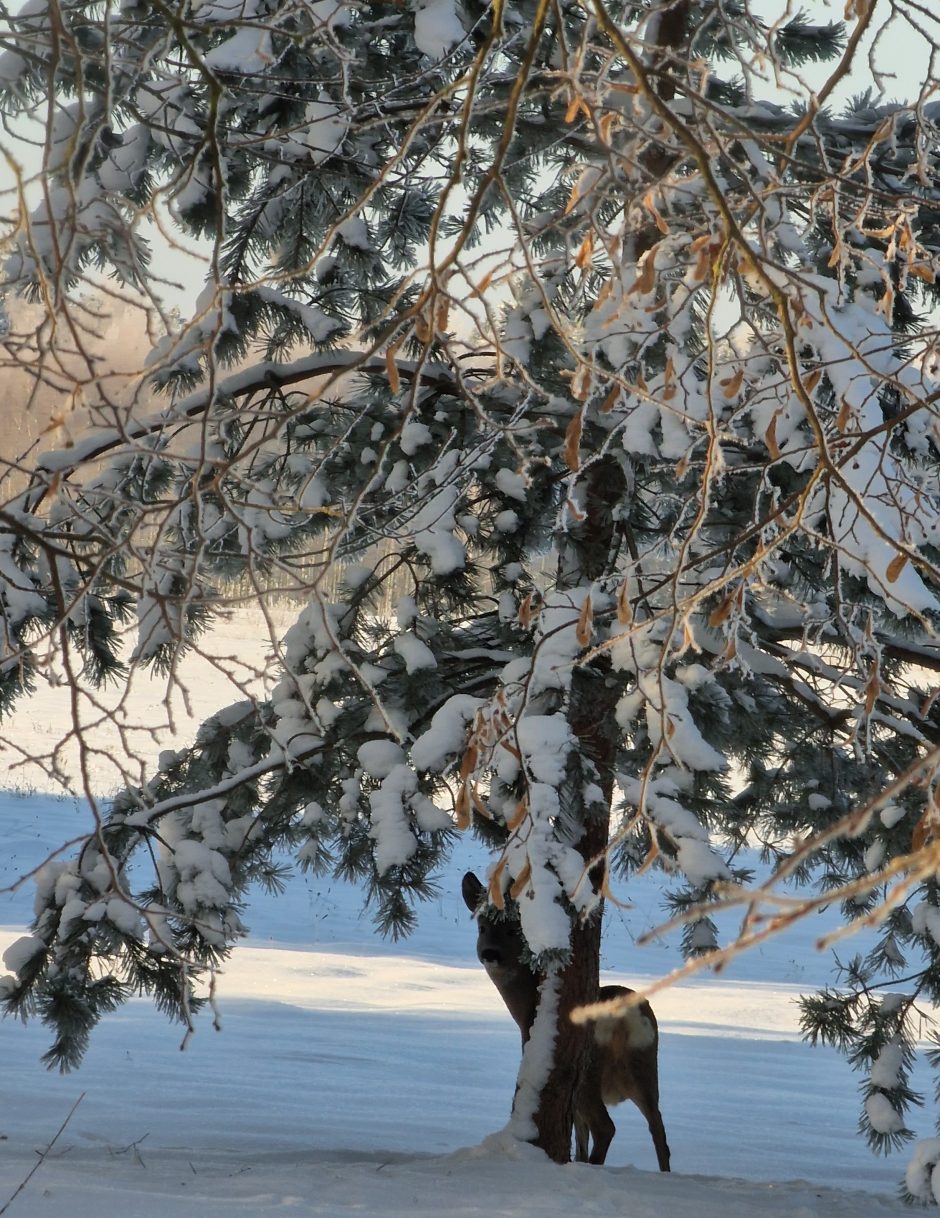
(658, 1130)
(649, 1106)
(580, 1138)
(597, 1119)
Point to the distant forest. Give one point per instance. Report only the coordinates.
(104, 374)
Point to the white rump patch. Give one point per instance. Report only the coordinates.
(639, 1029)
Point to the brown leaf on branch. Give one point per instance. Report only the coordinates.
(519, 883)
(624, 608)
(391, 367)
(519, 814)
(462, 807)
(585, 629)
(585, 253)
(571, 452)
(495, 891)
(770, 439)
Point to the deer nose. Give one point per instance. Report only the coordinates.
(489, 955)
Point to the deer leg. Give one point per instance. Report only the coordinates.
(602, 1130)
(655, 1121)
(649, 1106)
(580, 1138)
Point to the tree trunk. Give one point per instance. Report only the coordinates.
(595, 692)
(593, 700)
(555, 1115)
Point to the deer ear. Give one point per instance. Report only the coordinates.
(472, 891)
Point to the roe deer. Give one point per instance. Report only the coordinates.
(625, 1046)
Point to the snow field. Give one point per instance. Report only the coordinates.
(351, 1075)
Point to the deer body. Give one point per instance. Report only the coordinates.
(623, 1064)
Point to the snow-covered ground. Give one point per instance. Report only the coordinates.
(357, 1077)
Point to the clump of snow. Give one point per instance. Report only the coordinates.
(12, 66)
(21, 951)
(437, 27)
(433, 532)
(684, 831)
(203, 880)
(395, 842)
(293, 730)
(355, 233)
(122, 914)
(875, 855)
(397, 477)
(512, 484)
(925, 920)
(545, 742)
(880, 1111)
(439, 745)
(335, 13)
(314, 814)
(557, 641)
(406, 611)
(669, 720)
(414, 652)
(325, 127)
(923, 1172)
(248, 51)
(126, 164)
(379, 757)
(318, 324)
(414, 435)
(699, 861)
(506, 606)
(887, 1067)
(548, 862)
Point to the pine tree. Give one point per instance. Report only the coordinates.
(553, 329)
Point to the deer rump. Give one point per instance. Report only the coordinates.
(624, 1064)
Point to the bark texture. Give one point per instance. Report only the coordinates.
(594, 696)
